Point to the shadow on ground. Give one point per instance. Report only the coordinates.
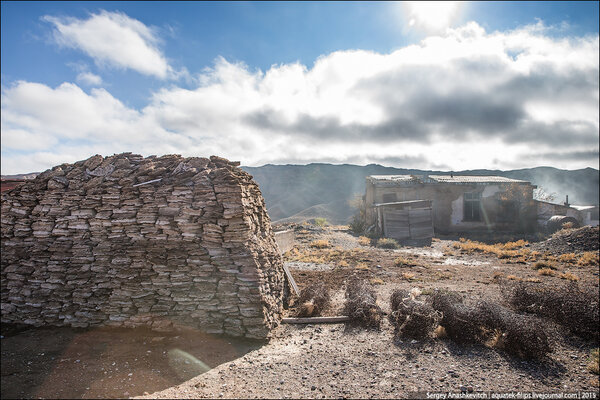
(108, 362)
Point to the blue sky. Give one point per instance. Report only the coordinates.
(465, 85)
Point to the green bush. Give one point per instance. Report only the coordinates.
(321, 222)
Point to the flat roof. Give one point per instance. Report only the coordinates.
(443, 179)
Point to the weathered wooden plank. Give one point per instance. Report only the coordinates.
(291, 279)
(316, 320)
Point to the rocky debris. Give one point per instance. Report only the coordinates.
(130, 241)
(571, 240)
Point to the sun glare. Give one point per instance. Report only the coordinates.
(431, 15)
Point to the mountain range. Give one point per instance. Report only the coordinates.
(298, 192)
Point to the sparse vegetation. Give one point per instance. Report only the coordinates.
(403, 262)
(361, 304)
(589, 258)
(320, 244)
(492, 324)
(364, 241)
(569, 305)
(546, 272)
(411, 318)
(544, 265)
(500, 250)
(387, 243)
(568, 276)
(408, 276)
(594, 362)
(322, 222)
(313, 300)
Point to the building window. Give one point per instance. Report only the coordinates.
(389, 197)
(508, 211)
(472, 207)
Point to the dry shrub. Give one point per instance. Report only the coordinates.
(491, 323)
(543, 265)
(343, 264)
(408, 276)
(313, 300)
(364, 241)
(569, 276)
(589, 258)
(546, 272)
(411, 318)
(458, 320)
(403, 262)
(532, 280)
(513, 278)
(569, 305)
(593, 364)
(361, 304)
(567, 258)
(521, 335)
(387, 243)
(376, 281)
(320, 244)
(362, 266)
(497, 275)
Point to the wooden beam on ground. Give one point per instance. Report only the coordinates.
(316, 320)
(291, 279)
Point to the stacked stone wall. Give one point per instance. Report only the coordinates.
(131, 241)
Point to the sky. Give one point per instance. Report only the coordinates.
(428, 85)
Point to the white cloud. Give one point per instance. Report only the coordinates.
(89, 79)
(468, 99)
(113, 39)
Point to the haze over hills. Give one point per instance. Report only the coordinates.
(299, 192)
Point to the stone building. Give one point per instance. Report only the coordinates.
(130, 241)
(458, 203)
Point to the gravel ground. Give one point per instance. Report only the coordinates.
(313, 361)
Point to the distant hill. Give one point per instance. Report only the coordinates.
(299, 192)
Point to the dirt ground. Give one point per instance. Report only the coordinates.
(312, 361)
(65, 363)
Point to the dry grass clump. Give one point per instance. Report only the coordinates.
(568, 276)
(320, 244)
(513, 277)
(589, 258)
(313, 300)
(364, 241)
(412, 318)
(569, 305)
(336, 255)
(404, 262)
(408, 276)
(544, 265)
(387, 243)
(361, 304)
(376, 281)
(546, 272)
(593, 365)
(491, 323)
(508, 250)
(567, 258)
